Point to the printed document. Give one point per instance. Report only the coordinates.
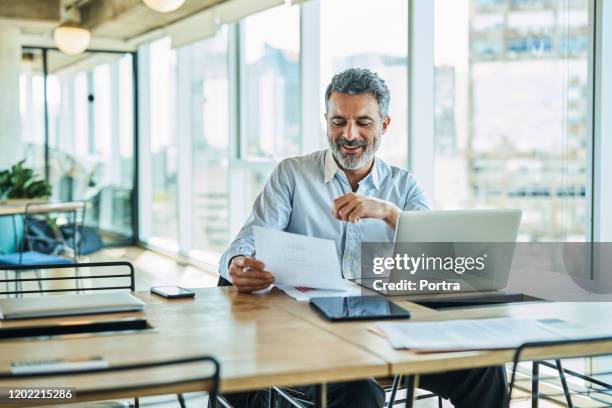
(305, 294)
(298, 260)
(478, 334)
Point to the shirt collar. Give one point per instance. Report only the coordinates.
(330, 168)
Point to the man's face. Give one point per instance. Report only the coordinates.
(354, 129)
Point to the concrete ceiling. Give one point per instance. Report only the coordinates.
(110, 22)
(125, 19)
(107, 19)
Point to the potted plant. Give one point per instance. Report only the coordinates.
(20, 183)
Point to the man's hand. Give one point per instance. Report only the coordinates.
(248, 274)
(351, 207)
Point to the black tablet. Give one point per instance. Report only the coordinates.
(358, 308)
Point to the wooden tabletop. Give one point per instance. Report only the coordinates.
(408, 362)
(265, 340)
(257, 344)
(40, 208)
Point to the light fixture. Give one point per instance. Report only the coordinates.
(164, 6)
(71, 38)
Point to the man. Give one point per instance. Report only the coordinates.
(348, 195)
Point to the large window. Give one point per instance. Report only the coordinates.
(162, 88)
(270, 103)
(356, 34)
(90, 111)
(511, 111)
(209, 128)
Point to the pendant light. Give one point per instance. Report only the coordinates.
(71, 37)
(164, 6)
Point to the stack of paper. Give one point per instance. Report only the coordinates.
(496, 333)
(304, 267)
(305, 294)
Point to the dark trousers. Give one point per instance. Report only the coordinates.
(476, 388)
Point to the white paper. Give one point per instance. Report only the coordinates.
(305, 294)
(298, 260)
(480, 334)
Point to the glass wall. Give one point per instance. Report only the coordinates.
(209, 128)
(511, 111)
(355, 34)
(31, 107)
(90, 110)
(270, 88)
(162, 91)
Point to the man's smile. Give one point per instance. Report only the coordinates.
(352, 150)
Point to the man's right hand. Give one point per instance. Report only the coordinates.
(248, 274)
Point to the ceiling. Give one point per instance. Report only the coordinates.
(113, 23)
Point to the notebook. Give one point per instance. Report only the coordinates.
(67, 305)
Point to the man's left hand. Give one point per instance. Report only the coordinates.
(352, 206)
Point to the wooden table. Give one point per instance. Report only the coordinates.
(266, 340)
(257, 345)
(40, 208)
(406, 362)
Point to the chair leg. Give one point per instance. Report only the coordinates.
(181, 400)
(37, 273)
(410, 382)
(394, 386)
(272, 398)
(18, 286)
(77, 281)
(535, 383)
(439, 401)
(136, 402)
(568, 396)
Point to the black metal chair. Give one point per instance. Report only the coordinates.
(19, 280)
(211, 388)
(604, 387)
(223, 282)
(28, 245)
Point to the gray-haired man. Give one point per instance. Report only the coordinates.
(348, 195)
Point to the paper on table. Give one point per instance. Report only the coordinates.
(305, 294)
(298, 260)
(495, 333)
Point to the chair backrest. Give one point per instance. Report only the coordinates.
(12, 234)
(223, 282)
(78, 277)
(600, 346)
(211, 387)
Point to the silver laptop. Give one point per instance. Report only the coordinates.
(488, 236)
(66, 305)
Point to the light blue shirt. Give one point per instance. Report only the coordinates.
(298, 198)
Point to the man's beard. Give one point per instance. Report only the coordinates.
(353, 161)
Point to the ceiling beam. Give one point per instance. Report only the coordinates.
(37, 10)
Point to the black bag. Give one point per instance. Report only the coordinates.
(43, 238)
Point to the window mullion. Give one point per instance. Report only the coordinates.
(421, 93)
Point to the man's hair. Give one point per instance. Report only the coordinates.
(357, 81)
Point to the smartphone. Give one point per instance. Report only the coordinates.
(172, 292)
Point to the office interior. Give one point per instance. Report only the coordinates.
(167, 124)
